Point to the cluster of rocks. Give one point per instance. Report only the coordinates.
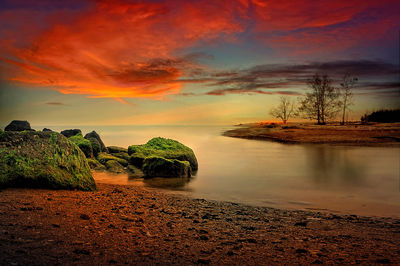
(159, 157)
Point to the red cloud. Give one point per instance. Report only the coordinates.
(113, 49)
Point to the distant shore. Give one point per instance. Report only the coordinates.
(356, 134)
(135, 225)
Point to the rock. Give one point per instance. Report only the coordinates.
(115, 149)
(96, 165)
(114, 166)
(18, 125)
(42, 159)
(301, 251)
(160, 167)
(83, 144)
(85, 217)
(203, 261)
(302, 223)
(96, 147)
(122, 155)
(165, 148)
(94, 135)
(47, 130)
(137, 159)
(104, 157)
(71, 132)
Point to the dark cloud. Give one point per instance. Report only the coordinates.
(265, 79)
(54, 103)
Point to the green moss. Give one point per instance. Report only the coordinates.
(96, 147)
(41, 159)
(83, 144)
(104, 157)
(114, 166)
(165, 148)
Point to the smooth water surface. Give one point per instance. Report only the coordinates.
(358, 180)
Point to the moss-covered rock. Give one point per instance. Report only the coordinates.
(94, 135)
(96, 146)
(155, 166)
(137, 159)
(116, 149)
(122, 155)
(95, 165)
(42, 159)
(114, 166)
(83, 144)
(165, 148)
(104, 157)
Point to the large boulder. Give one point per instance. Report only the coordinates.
(94, 135)
(18, 125)
(47, 130)
(42, 159)
(71, 132)
(162, 147)
(83, 144)
(155, 166)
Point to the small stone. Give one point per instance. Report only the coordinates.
(81, 251)
(203, 261)
(230, 253)
(85, 217)
(204, 238)
(301, 251)
(302, 223)
(383, 261)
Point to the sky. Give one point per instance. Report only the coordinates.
(199, 62)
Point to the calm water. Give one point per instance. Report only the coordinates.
(360, 180)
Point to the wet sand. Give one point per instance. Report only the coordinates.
(121, 224)
(377, 134)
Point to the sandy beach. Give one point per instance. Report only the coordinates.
(121, 224)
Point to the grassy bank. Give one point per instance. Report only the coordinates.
(373, 134)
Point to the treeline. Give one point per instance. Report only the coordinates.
(322, 102)
(383, 116)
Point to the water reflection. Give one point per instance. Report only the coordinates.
(333, 165)
(177, 183)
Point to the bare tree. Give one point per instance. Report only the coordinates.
(347, 94)
(322, 102)
(284, 110)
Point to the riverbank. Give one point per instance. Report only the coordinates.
(378, 134)
(131, 224)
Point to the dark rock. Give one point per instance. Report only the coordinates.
(95, 145)
(303, 223)
(47, 130)
(81, 251)
(18, 125)
(160, 167)
(203, 238)
(115, 149)
(42, 159)
(71, 132)
(301, 250)
(317, 262)
(85, 217)
(230, 253)
(203, 261)
(94, 135)
(383, 261)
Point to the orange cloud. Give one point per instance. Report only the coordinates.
(117, 49)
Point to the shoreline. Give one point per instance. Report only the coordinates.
(356, 134)
(120, 224)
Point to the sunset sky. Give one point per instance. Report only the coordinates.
(188, 62)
